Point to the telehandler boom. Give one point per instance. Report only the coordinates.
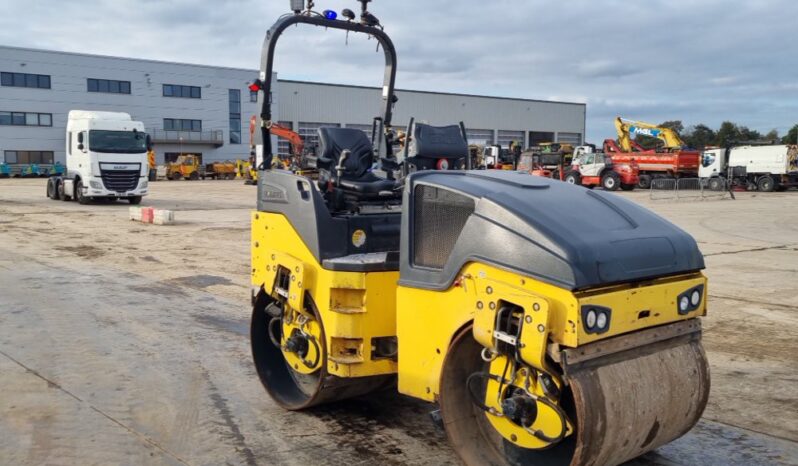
(549, 323)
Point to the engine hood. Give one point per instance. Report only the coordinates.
(559, 233)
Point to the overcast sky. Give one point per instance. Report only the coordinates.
(699, 61)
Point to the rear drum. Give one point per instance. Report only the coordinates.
(291, 389)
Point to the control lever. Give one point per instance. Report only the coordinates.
(339, 169)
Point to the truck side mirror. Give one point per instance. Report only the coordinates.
(148, 140)
(80, 146)
(80, 138)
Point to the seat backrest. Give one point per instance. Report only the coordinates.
(437, 142)
(333, 141)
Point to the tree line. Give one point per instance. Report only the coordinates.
(700, 136)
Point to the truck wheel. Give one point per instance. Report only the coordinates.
(610, 181)
(715, 184)
(766, 184)
(83, 200)
(193, 176)
(644, 182)
(573, 178)
(177, 176)
(135, 200)
(61, 192)
(52, 193)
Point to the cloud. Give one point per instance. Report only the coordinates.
(699, 62)
(607, 69)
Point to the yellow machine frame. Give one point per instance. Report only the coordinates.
(357, 307)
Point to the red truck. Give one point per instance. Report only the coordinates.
(653, 164)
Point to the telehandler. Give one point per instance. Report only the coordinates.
(549, 323)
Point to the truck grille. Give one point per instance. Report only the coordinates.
(120, 180)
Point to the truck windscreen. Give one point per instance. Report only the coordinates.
(125, 142)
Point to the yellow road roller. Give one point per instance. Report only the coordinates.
(550, 324)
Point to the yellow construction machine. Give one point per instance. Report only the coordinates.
(190, 167)
(547, 323)
(626, 129)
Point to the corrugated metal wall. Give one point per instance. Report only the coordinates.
(512, 118)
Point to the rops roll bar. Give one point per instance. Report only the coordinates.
(367, 25)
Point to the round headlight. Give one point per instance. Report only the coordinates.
(695, 298)
(684, 303)
(601, 320)
(590, 319)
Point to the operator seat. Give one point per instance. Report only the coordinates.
(356, 179)
(436, 147)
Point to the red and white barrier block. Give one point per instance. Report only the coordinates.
(152, 215)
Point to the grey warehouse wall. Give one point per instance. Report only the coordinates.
(325, 103)
(69, 73)
(302, 105)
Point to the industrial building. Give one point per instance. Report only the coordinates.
(205, 110)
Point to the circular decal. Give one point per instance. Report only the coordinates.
(359, 238)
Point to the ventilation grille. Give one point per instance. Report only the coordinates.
(439, 217)
(120, 180)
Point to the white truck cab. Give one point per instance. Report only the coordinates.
(106, 157)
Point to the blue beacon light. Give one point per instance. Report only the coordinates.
(331, 15)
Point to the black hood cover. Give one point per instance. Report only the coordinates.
(559, 233)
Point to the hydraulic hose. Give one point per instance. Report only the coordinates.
(564, 425)
(318, 353)
(269, 330)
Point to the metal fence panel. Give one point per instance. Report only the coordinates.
(663, 188)
(689, 189)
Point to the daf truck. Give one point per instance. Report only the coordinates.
(106, 158)
(764, 168)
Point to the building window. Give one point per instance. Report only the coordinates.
(42, 157)
(505, 138)
(39, 81)
(25, 119)
(178, 124)
(310, 132)
(283, 146)
(234, 98)
(539, 137)
(479, 136)
(570, 138)
(176, 90)
(253, 96)
(108, 85)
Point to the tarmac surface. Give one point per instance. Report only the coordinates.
(123, 343)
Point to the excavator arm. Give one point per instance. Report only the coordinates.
(297, 144)
(628, 128)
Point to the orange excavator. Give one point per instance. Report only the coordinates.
(293, 162)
